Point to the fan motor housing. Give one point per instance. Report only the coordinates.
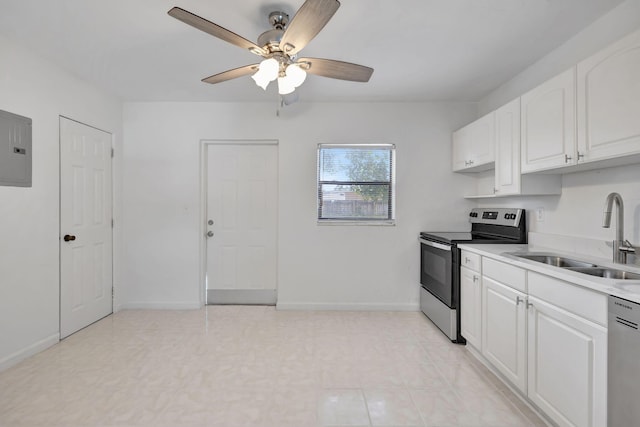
(270, 38)
(278, 20)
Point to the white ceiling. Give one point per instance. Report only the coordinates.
(420, 49)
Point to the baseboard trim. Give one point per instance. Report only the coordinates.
(160, 305)
(35, 348)
(242, 296)
(346, 306)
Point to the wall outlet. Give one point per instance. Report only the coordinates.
(540, 214)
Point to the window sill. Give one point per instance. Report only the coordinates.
(374, 223)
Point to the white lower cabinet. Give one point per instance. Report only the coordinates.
(567, 366)
(504, 330)
(545, 336)
(470, 307)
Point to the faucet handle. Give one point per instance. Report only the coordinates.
(627, 247)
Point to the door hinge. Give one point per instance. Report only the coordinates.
(112, 152)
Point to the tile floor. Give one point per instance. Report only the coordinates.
(255, 366)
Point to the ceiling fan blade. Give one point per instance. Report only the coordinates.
(215, 30)
(336, 69)
(312, 16)
(231, 74)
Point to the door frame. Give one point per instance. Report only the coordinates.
(111, 196)
(204, 174)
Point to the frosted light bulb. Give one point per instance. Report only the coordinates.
(296, 75)
(267, 72)
(284, 86)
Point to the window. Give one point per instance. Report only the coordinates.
(356, 183)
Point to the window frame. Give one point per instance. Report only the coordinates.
(391, 204)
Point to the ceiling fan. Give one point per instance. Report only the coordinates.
(280, 47)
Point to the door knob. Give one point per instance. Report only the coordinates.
(209, 233)
(69, 238)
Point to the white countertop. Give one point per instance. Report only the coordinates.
(627, 289)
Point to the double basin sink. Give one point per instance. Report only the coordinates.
(579, 266)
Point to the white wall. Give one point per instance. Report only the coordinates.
(29, 225)
(578, 211)
(613, 26)
(319, 266)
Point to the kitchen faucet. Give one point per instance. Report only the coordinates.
(621, 246)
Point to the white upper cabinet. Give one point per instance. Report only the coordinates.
(473, 146)
(548, 124)
(608, 94)
(507, 180)
(508, 148)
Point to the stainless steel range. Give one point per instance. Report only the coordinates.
(440, 262)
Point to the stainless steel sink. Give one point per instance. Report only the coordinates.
(578, 266)
(607, 273)
(555, 260)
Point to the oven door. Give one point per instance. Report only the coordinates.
(436, 270)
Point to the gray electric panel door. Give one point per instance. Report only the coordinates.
(15, 150)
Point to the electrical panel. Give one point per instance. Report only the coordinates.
(15, 150)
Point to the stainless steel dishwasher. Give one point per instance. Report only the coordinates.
(624, 363)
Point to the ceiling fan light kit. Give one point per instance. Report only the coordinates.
(279, 48)
(268, 71)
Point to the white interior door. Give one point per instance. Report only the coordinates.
(85, 226)
(242, 195)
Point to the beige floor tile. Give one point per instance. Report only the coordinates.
(438, 408)
(233, 366)
(392, 407)
(342, 407)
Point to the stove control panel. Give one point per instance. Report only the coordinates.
(499, 216)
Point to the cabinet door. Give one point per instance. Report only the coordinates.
(508, 148)
(567, 366)
(548, 123)
(470, 307)
(483, 141)
(504, 330)
(609, 101)
(460, 149)
(473, 146)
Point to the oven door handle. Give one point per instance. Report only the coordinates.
(435, 245)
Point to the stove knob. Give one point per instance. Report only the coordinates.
(507, 216)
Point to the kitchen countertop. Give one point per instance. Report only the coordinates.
(627, 289)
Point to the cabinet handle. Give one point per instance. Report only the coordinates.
(529, 304)
(567, 158)
(475, 278)
(519, 300)
(466, 260)
(580, 156)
